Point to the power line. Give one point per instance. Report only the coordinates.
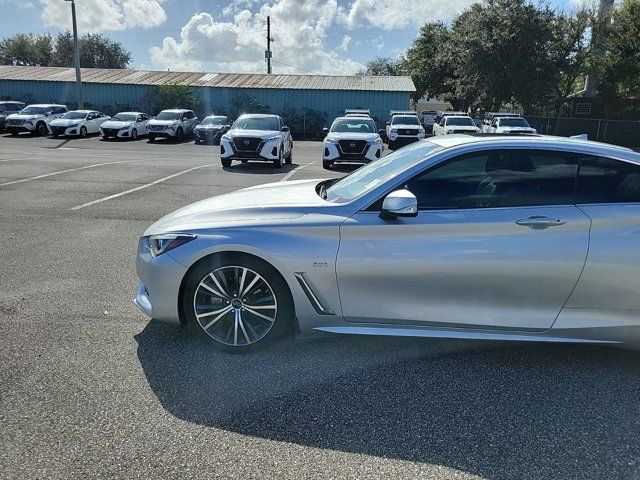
(297, 68)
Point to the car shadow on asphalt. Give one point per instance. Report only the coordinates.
(260, 168)
(500, 411)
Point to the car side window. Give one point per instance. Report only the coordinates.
(60, 110)
(48, 111)
(497, 178)
(91, 116)
(604, 180)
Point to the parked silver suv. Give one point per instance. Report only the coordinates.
(175, 123)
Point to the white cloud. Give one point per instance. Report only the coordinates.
(390, 15)
(344, 45)
(100, 15)
(299, 30)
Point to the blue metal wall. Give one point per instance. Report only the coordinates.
(111, 98)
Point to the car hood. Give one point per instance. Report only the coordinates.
(63, 122)
(461, 128)
(273, 201)
(209, 127)
(515, 129)
(164, 122)
(370, 137)
(252, 133)
(402, 125)
(17, 116)
(116, 124)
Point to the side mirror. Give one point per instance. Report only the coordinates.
(382, 132)
(388, 123)
(325, 130)
(227, 126)
(285, 129)
(400, 203)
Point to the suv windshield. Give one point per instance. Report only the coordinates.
(353, 124)
(33, 110)
(169, 116)
(514, 122)
(213, 121)
(378, 172)
(125, 117)
(74, 115)
(256, 123)
(405, 120)
(453, 121)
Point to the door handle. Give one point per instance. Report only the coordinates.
(540, 221)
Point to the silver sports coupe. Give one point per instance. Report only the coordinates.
(504, 238)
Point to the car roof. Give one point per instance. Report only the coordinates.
(216, 116)
(82, 111)
(46, 105)
(535, 141)
(132, 113)
(177, 110)
(458, 116)
(259, 115)
(354, 117)
(11, 101)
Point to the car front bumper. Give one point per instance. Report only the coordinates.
(119, 133)
(158, 292)
(207, 135)
(66, 131)
(333, 153)
(23, 127)
(266, 151)
(166, 133)
(404, 139)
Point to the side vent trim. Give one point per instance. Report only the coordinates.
(315, 303)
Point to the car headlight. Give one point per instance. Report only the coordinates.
(275, 138)
(159, 244)
(72, 125)
(393, 130)
(377, 141)
(226, 138)
(331, 140)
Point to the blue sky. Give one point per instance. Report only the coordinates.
(317, 36)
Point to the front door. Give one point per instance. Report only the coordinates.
(497, 244)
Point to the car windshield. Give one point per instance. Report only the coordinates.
(74, 115)
(125, 117)
(405, 120)
(213, 121)
(514, 122)
(466, 122)
(169, 116)
(33, 110)
(256, 123)
(378, 172)
(353, 124)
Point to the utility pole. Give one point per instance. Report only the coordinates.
(267, 53)
(76, 56)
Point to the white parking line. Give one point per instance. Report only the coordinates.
(297, 169)
(131, 190)
(46, 175)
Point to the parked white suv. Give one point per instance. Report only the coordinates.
(402, 130)
(510, 125)
(34, 118)
(455, 124)
(174, 123)
(78, 123)
(351, 139)
(260, 137)
(125, 125)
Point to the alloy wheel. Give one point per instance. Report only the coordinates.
(235, 306)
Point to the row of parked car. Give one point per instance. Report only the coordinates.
(57, 120)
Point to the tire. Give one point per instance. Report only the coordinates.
(13, 133)
(179, 134)
(152, 138)
(83, 132)
(54, 135)
(278, 162)
(41, 129)
(289, 158)
(230, 272)
(327, 164)
(134, 134)
(391, 145)
(105, 137)
(226, 162)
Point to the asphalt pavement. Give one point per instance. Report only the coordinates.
(90, 388)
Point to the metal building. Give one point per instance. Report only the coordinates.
(307, 102)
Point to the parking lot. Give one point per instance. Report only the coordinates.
(89, 388)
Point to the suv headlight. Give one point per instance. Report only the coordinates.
(331, 140)
(393, 130)
(226, 138)
(159, 244)
(377, 141)
(275, 138)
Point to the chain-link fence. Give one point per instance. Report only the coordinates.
(617, 132)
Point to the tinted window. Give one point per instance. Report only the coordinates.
(405, 120)
(602, 180)
(499, 178)
(61, 110)
(354, 124)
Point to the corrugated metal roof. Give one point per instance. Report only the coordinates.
(200, 79)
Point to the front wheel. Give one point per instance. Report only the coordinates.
(289, 158)
(327, 164)
(278, 162)
(226, 162)
(134, 134)
(237, 303)
(83, 132)
(179, 133)
(41, 129)
(151, 138)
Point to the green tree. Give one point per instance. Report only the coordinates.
(622, 60)
(172, 95)
(96, 51)
(27, 49)
(380, 66)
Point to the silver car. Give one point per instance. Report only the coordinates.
(503, 238)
